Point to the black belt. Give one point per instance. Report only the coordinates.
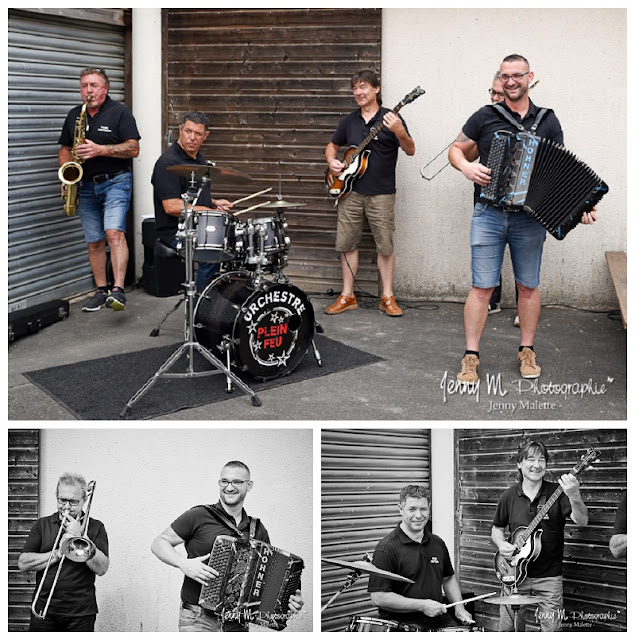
(104, 177)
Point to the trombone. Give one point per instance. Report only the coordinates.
(76, 548)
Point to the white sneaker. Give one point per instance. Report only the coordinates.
(517, 321)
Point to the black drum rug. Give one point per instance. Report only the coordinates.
(100, 389)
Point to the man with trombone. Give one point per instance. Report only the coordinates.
(67, 550)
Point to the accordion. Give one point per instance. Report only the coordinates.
(254, 582)
(543, 179)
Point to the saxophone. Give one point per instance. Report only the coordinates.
(70, 173)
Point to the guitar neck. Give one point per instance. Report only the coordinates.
(366, 141)
(539, 516)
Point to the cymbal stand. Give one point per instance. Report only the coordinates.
(515, 607)
(190, 344)
(351, 579)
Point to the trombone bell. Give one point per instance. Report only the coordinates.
(78, 549)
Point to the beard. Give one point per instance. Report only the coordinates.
(522, 91)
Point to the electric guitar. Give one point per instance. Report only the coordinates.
(511, 572)
(356, 158)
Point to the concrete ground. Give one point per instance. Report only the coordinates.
(582, 354)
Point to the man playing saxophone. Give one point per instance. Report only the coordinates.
(102, 145)
(71, 604)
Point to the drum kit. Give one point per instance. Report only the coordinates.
(370, 624)
(250, 317)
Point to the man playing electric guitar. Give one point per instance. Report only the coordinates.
(517, 507)
(373, 192)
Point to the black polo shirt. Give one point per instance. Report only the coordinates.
(74, 593)
(199, 528)
(427, 563)
(168, 186)
(379, 177)
(482, 125)
(112, 124)
(515, 509)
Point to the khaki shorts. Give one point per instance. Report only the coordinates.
(380, 213)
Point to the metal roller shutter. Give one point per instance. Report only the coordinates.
(23, 511)
(47, 256)
(594, 581)
(363, 471)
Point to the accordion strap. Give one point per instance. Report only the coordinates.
(221, 517)
(503, 112)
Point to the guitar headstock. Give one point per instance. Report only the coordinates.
(413, 95)
(592, 455)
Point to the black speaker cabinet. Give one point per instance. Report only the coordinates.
(163, 276)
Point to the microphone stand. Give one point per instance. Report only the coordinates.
(190, 344)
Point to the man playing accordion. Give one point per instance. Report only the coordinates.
(197, 529)
(493, 228)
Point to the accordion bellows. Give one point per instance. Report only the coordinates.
(543, 179)
(254, 583)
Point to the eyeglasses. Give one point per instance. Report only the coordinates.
(63, 501)
(234, 483)
(503, 77)
(496, 93)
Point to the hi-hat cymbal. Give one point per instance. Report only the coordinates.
(283, 204)
(362, 565)
(200, 170)
(517, 599)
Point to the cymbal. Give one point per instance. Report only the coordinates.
(200, 170)
(283, 204)
(517, 599)
(362, 565)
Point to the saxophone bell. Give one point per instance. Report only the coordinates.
(71, 173)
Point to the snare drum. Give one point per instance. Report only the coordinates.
(267, 327)
(363, 623)
(215, 237)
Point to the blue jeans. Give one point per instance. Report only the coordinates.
(104, 205)
(195, 618)
(492, 229)
(549, 612)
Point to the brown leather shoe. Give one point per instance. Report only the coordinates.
(343, 303)
(389, 305)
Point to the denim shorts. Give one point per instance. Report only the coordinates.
(104, 205)
(380, 213)
(492, 229)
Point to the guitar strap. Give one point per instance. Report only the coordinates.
(541, 505)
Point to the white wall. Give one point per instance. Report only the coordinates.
(579, 56)
(146, 104)
(442, 485)
(147, 477)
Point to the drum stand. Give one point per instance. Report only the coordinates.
(190, 344)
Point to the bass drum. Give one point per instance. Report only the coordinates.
(269, 326)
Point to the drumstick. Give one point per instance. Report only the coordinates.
(485, 595)
(253, 195)
(262, 204)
